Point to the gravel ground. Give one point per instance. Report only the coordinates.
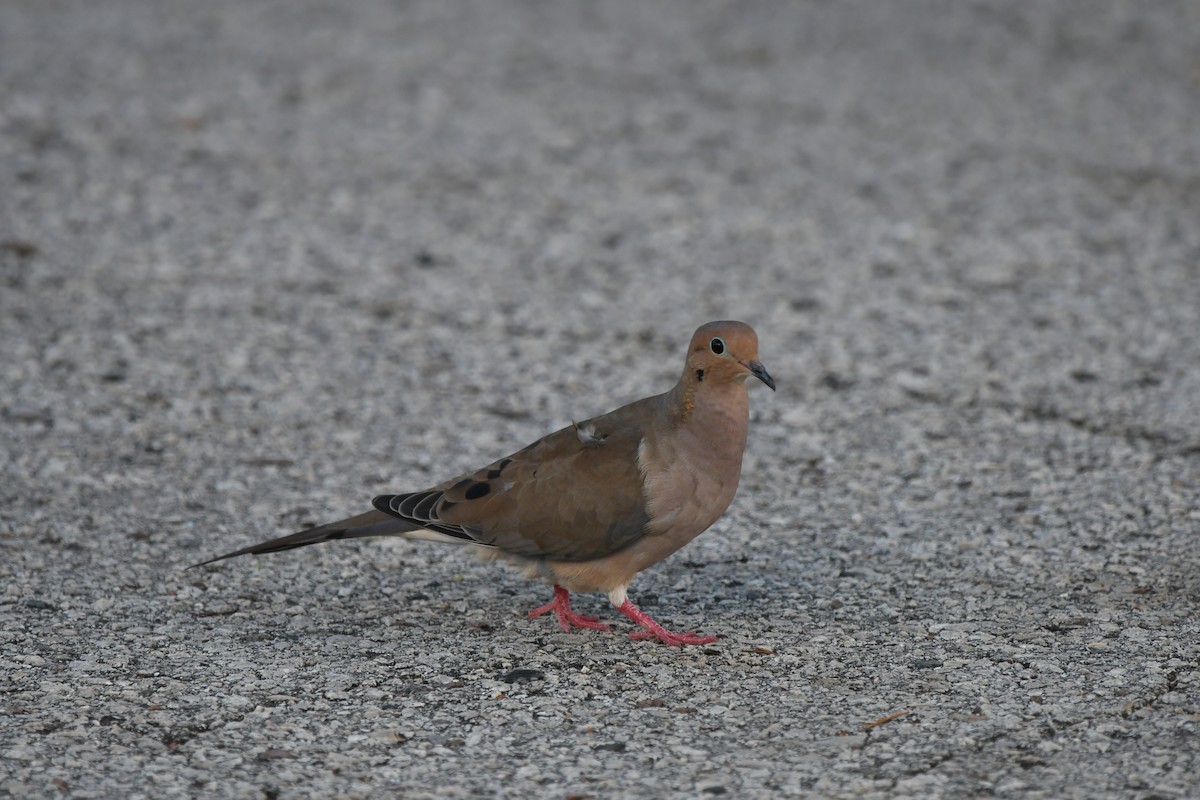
(261, 261)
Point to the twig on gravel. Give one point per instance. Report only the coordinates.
(885, 720)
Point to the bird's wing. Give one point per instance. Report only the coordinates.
(574, 495)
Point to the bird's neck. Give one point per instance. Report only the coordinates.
(695, 401)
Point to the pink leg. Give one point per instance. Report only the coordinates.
(655, 631)
(561, 606)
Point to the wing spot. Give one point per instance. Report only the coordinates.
(496, 471)
(588, 435)
(478, 490)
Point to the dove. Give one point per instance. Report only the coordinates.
(589, 506)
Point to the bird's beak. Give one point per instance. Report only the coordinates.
(759, 371)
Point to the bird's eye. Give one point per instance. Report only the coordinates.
(717, 345)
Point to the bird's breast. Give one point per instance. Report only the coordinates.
(691, 476)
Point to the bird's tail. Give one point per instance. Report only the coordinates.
(372, 523)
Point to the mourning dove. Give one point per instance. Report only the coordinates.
(590, 506)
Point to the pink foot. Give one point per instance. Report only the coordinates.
(655, 631)
(561, 606)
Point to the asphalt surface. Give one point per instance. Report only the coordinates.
(261, 261)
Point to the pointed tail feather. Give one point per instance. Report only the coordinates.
(372, 523)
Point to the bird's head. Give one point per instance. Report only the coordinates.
(726, 352)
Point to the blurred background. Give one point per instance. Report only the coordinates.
(265, 225)
(260, 261)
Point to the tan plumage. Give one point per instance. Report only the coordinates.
(589, 506)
